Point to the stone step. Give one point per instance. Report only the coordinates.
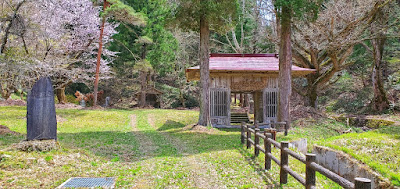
(239, 118)
(236, 118)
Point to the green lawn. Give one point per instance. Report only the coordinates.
(143, 149)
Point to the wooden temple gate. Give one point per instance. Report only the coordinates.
(255, 74)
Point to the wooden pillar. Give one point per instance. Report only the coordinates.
(258, 107)
(234, 94)
(251, 104)
(245, 100)
(241, 100)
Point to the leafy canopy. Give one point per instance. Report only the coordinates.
(124, 13)
(217, 13)
(300, 8)
(161, 46)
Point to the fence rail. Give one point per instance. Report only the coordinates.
(309, 160)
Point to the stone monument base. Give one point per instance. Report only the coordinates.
(38, 145)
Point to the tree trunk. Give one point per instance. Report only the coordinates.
(6, 92)
(182, 99)
(96, 82)
(7, 95)
(256, 14)
(142, 99)
(7, 30)
(62, 99)
(204, 117)
(144, 46)
(21, 95)
(143, 88)
(312, 97)
(285, 65)
(312, 91)
(380, 101)
(277, 25)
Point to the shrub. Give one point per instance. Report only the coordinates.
(72, 99)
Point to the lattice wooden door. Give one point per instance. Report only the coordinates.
(270, 102)
(220, 106)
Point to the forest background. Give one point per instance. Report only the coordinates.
(353, 46)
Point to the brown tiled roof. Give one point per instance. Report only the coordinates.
(257, 63)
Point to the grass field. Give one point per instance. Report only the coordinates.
(144, 149)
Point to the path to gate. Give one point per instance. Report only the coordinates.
(172, 157)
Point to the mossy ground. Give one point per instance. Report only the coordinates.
(379, 149)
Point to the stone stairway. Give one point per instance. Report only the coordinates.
(239, 117)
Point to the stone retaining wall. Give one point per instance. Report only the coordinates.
(364, 121)
(348, 167)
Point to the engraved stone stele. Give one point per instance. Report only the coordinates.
(107, 103)
(41, 111)
(83, 103)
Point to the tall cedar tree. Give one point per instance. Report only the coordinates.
(287, 10)
(203, 16)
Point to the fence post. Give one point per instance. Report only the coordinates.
(286, 127)
(242, 132)
(256, 142)
(273, 132)
(284, 162)
(310, 172)
(248, 137)
(362, 183)
(267, 147)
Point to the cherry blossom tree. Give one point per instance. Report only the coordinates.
(61, 41)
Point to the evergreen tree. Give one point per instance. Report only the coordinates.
(125, 14)
(151, 43)
(287, 10)
(204, 16)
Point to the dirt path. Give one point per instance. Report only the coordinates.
(147, 150)
(151, 120)
(146, 146)
(202, 173)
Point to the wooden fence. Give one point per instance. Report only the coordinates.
(311, 166)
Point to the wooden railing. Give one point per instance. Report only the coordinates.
(278, 126)
(309, 160)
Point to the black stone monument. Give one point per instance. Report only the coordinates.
(41, 111)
